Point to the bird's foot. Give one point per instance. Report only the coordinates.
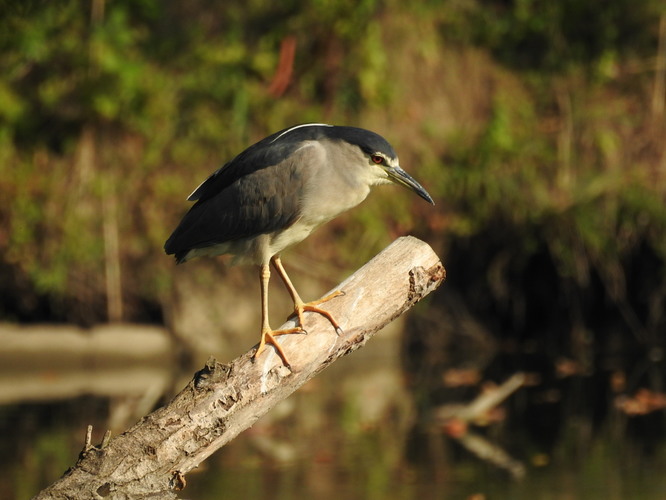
(268, 337)
(299, 309)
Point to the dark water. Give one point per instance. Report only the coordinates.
(598, 477)
(271, 462)
(355, 432)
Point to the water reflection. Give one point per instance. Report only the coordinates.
(603, 474)
(354, 432)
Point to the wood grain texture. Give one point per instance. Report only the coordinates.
(152, 458)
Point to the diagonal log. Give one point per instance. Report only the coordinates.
(151, 459)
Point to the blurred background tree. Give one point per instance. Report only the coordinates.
(543, 121)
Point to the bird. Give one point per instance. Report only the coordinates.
(275, 193)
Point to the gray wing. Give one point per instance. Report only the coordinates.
(257, 192)
(262, 201)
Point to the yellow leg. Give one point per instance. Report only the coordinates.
(267, 333)
(299, 306)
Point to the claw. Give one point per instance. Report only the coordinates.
(268, 337)
(301, 307)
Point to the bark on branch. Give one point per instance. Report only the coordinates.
(151, 459)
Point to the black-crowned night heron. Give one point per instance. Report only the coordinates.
(275, 193)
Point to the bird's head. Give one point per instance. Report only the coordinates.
(380, 157)
(394, 173)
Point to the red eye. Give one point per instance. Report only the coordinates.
(377, 159)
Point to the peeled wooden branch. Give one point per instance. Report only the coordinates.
(152, 458)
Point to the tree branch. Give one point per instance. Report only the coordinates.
(152, 458)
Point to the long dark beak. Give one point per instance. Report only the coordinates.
(399, 176)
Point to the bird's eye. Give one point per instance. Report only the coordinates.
(378, 159)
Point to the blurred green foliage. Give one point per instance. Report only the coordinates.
(110, 112)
